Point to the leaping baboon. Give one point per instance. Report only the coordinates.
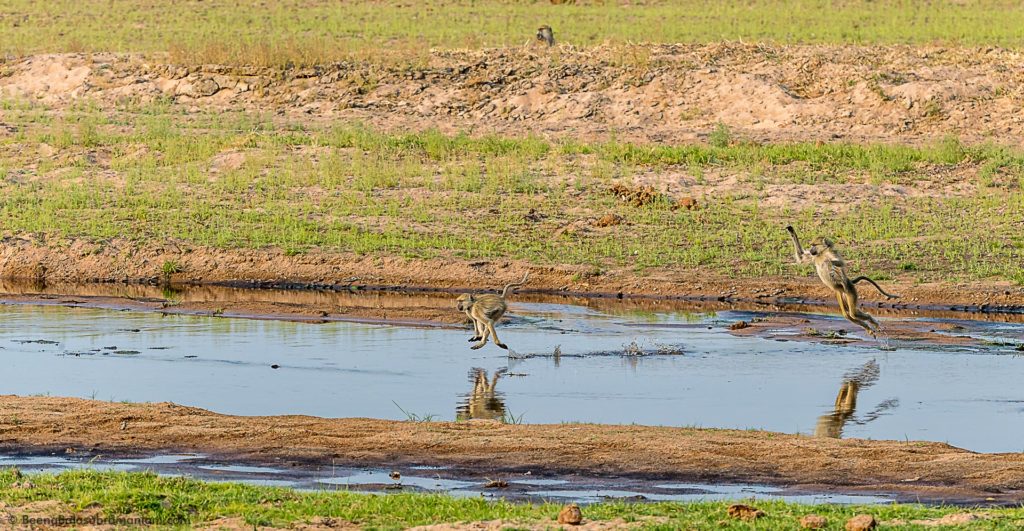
(485, 309)
(545, 34)
(831, 270)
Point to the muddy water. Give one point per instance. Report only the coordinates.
(569, 364)
(520, 486)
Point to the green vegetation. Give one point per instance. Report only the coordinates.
(152, 173)
(315, 31)
(170, 267)
(181, 502)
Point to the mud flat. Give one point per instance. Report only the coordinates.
(928, 471)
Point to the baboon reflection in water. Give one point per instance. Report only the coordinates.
(483, 402)
(832, 424)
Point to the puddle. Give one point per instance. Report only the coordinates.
(383, 478)
(709, 494)
(568, 365)
(520, 487)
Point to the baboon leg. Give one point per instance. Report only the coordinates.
(477, 334)
(864, 321)
(487, 328)
(494, 335)
(848, 305)
(863, 318)
(841, 297)
(867, 317)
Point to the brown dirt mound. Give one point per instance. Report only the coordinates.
(669, 93)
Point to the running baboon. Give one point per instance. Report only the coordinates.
(484, 402)
(545, 34)
(485, 309)
(831, 270)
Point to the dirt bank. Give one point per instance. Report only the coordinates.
(932, 471)
(122, 261)
(663, 93)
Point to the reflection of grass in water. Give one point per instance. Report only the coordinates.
(348, 188)
(671, 316)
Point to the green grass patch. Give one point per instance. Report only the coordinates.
(305, 32)
(234, 180)
(182, 502)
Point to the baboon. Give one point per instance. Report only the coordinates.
(545, 34)
(831, 270)
(483, 402)
(485, 309)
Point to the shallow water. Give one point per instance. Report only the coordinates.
(418, 479)
(692, 372)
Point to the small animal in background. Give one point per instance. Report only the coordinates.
(544, 34)
(485, 309)
(570, 515)
(831, 270)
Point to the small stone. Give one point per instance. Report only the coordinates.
(744, 512)
(861, 522)
(813, 521)
(205, 87)
(608, 220)
(688, 203)
(570, 515)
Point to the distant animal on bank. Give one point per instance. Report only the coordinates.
(485, 309)
(831, 270)
(544, 34)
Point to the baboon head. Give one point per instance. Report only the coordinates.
(465, 302)
(819, 245)
(545, 35)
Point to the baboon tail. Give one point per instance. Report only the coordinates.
(504, 291)
(879, 288)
